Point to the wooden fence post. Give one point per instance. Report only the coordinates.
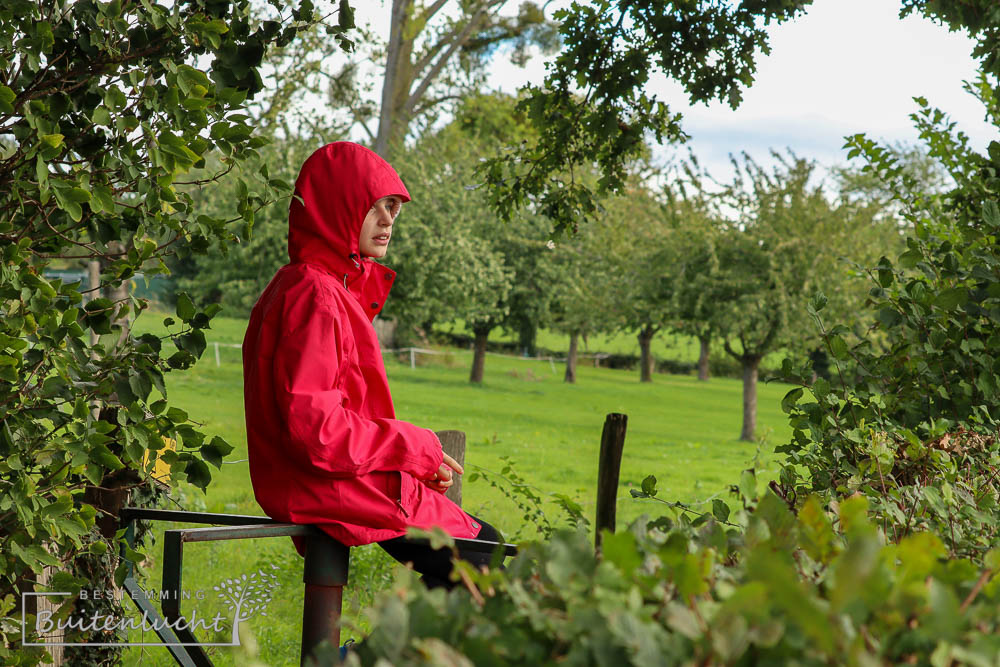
(454, 446)
(608, 468)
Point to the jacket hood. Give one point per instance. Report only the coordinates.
(336, 188)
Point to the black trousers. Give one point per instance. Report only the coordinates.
(435, 564)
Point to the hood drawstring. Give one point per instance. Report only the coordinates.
(354, 258)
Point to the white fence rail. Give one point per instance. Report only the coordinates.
(414, 351)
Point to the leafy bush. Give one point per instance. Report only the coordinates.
(105, 108)
(817, 588)
(912, 415)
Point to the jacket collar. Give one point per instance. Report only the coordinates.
(371, 287)
(368, 282)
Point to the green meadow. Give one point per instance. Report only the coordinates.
(680, 430)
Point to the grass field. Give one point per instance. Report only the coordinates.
(680, 430)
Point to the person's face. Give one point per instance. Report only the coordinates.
(377, 227)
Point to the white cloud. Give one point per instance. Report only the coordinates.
(847, 66)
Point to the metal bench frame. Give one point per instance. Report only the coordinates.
(324, 574)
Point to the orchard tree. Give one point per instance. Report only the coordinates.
(454, 258)
(582, 292)
(787, 241)
(611, 48)
(106, 111)
(697, 284)
(637, 240)
(444, 272)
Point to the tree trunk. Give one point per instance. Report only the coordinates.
(391, 82)
(705, 342)
(407, 81)
(526, 335)
(645, 358)
(479, 355)
(571, 359)
(750, 366)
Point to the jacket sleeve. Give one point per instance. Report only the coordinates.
(325, 434)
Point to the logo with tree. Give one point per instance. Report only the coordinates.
(247, 596)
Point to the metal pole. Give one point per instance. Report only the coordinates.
(413, 360)
(324, 575)
(608, 469)
(217, 364)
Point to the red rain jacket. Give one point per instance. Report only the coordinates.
(324, 445)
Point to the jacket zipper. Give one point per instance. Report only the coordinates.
(403, 509)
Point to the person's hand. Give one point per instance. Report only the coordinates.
(445, 475)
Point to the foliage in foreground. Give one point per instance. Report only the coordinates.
(760, 586)
(912, 416)
(105, 110)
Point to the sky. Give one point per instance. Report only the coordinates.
(846, 66)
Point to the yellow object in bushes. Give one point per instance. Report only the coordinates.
(161, 470)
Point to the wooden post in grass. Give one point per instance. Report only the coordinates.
(608, 468)
(454, 446)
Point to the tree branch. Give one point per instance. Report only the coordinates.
(436, 48)
(461, 39)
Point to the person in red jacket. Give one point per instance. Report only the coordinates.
(325, 447)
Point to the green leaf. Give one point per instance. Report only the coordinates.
(185, 307)
(52, 140)
(885, 275)
(818, 301)
(345, 16)
(952, 298)
(779, 520)
(140, 384)
(60, 506)
(991, 214)
(692, 572)
(198, 473)
(838, 348)
(101, 116)
(66, 203)
(854, 514)
(816, 531)
(7, 98)
(622, 550)
(215, 451)
(193, 342)
(101, 454)
(790, 399)
(748, 485)
(649, 485)
(103, 198)
(720, 510)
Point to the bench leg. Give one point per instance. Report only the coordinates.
(324, 575)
